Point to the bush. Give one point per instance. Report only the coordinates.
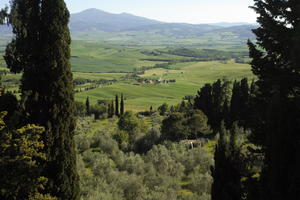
(99, 111)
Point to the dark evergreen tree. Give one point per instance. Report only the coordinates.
(217, 103)
(117, 112)
(276, 62)
(211, 99)
(203, 101)
(87, 106)
(163, 109)
(173, 128)
(41, 50)
(109, 111)
(112, 109)
(226, 113)
(3, 15)
(235, 108)
(244, 103)
(227, 171)
(122, 105)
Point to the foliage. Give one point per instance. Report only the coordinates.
(128, 122)
(47, 91)
(173, 127)
(197, 124)
(107, 172)
(80, 109)
(117, 111)
(99, 111)
(276, 65)
(87, 105)
(122, 105)
(3, 15)
(228, 169)
(21, 153)
(163, 109)
(211, 100)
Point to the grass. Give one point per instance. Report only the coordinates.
(95, 57)
(188, 80)
(94, 61)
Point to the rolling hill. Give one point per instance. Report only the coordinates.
(97, 20)
(124, 28)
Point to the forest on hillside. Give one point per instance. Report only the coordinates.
(233, 139)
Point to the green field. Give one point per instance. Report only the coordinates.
(188, 80)
(107, 61)
(96, 57)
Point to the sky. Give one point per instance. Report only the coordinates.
(189, 11)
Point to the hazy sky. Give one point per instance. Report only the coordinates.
(190, 11)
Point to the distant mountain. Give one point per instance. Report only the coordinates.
(94, 24)
(230, 24)
(243, 31)
(94, 20)
(98, 20)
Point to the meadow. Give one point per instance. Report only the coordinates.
(189, 78)
(107, 61)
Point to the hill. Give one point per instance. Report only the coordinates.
(128, 29)
(97, 20)
(93, 21)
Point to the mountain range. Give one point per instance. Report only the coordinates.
(94, 23)
(93, 20)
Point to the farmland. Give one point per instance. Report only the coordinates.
(116, 64)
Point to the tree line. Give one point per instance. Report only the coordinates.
(103, 108)
(270, 112)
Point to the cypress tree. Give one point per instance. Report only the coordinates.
(122, 105)
(87, 106)
(112, 109)
(227, 171)
(226, 113)
(244, 102)
(203, 101)
(276, 62)
(117, 113)
(43, 55)
(108, 110)
(235, 102)
(217, 102)
(3, 15)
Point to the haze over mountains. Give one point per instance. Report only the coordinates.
(93, 20)
(94, 24)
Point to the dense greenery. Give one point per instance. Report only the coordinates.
(3, 15)
(43, 54)
(166, 171)
(276, 64)
(21, 152)
(233, 140)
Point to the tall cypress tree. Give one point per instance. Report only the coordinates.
(227, 171)
(122, 105)
(112, 109)
(3, 15)
(276, 62)
(108, 110)
(87, 105)
(41, 50)
(203, 101)
(117, 113)
(217, 103)
(235, 102)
